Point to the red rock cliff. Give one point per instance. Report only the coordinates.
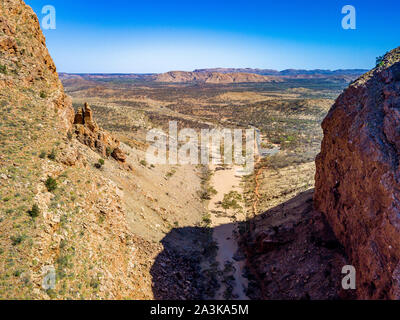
(358, 177)
(25, 62)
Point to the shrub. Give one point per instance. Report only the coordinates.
(35, 211)
(379, 61)
(143, 163)
(51, 184)
(16, 240)
(3, 69)
(231, 201)
(52, 155)
(43, 95)
(207, 220)
(99, 164)
(17, 273)
(171, 173)
(204, 195)
(42, 155)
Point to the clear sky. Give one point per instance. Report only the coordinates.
(129, 36)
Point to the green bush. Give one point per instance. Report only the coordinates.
(231, 201)
(42, 155)
(43, 95)
(52, 155)
(51, 184)
(35, 211)
(16, 240)
(99, 164)
(207, 220)
(171, 173)
(3, 69)
(379, 61)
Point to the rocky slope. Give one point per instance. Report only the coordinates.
(213, 77)
(58, 213)
(358, 177)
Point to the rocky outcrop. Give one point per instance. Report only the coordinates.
(89, 133)
(358, 177)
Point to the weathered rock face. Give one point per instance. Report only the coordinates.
(358, 177)
(25, 61)
(90, 134)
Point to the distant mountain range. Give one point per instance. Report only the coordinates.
(214, 77)
(226, 75)
(287, 72)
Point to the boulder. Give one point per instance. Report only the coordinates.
(118, 155)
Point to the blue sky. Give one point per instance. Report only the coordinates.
(129, 36)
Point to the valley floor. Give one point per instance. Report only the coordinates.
(225, 233)
(208, 246)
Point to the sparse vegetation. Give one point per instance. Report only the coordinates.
(207, 220)
(287, 119)
(231, 201)
(16, 240)
(51, 184)
(100, 164)
(42, 154)
(379, 61)
(34, 212)
(52, 155)
(171, 173)
(3, 69)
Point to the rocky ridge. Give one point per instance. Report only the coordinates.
(213, 77)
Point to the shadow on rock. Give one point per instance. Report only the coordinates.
(185, 269)
(291, 253)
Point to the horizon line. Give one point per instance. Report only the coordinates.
(204, 70)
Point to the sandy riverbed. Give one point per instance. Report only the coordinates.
(224, 227)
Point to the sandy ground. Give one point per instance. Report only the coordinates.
(224, 227)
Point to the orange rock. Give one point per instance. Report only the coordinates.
(357, 178)
(90, 134)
